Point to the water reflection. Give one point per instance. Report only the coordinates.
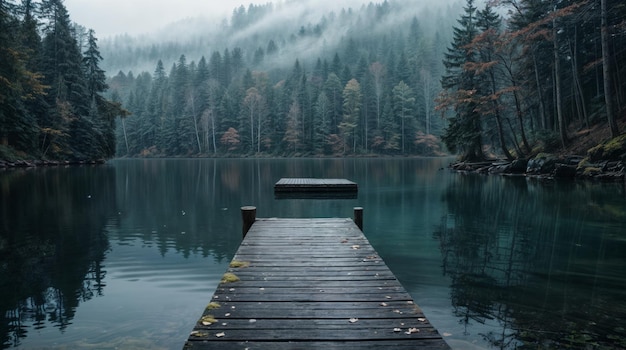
(544, 261)
(52, 245)
(525, 264)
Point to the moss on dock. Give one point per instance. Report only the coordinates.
(235, 264)
(229, 278)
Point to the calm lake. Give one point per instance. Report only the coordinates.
(127, 255)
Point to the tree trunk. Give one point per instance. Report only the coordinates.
(125, 137)
(606, 70)
(579, 96)
(258, 132)
(557, 84)
(213, 133)
(542, 105)
(505, 150)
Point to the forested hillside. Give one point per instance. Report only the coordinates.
(540, 77)
(51, 86)
(386, 78)
(289, 80)
(498, 79)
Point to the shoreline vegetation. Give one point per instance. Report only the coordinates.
(548, 167)
(604, 161)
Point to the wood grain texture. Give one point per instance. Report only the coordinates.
(308, 284)
(314, 185)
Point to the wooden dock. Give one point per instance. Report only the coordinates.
(314, 185)
(309, 284)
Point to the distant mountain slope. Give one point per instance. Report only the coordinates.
(274, 36)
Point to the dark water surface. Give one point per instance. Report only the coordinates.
(127, 255)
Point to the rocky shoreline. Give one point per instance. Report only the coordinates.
(547, 166)
(47, 163)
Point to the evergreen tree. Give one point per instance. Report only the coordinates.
(18, 85)
(403, 102)
(351, 113)
(488, 94)
(155, 110)
(334, 92)
(293, 131)
(102, 112)
(321, 122)
(464, 131)
(66, 126)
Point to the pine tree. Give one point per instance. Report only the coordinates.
(464, 132)
(334, 91)
(293, 135)
(403, 102)
(488, 92)
(18, 84)
(351, 113)
(102, 112)
(66, 126)
(321, 122)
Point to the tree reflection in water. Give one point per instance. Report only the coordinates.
(52, 244)
(545, 261)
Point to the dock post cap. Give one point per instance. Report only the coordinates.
(248, 217)
(358, 217)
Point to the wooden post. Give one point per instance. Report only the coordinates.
(358, 217)
(248, 215)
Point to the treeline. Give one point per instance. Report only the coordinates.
(51, 86)
(370, 93)
(550, 65)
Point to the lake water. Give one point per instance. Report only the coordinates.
(127, 255)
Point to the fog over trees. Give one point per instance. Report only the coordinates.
(383, 78)
(296, 78)
(287, 79)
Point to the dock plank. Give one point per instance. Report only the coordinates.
(313, 185)
(311, 283)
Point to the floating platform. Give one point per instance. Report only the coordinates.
(315, 185)
(309, 284)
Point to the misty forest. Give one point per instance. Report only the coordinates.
(505, 79)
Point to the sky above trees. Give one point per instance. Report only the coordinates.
(116, 17)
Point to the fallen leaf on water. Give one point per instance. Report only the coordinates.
(220, 335)
(353, 320)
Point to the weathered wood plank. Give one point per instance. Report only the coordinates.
(314, 185)
(311, 283)
(425, 344)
